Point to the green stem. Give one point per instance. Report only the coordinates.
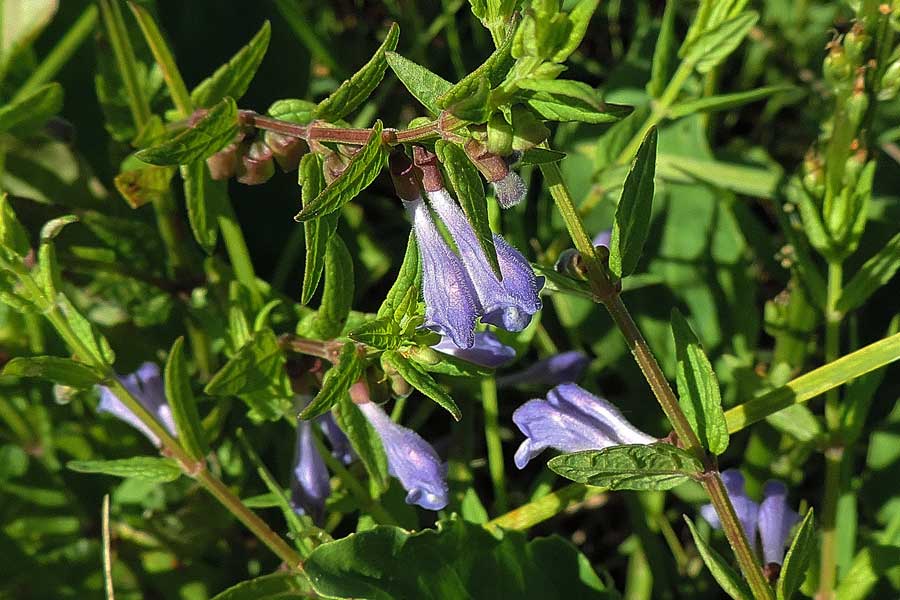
(126, 60)
(61, 52)
(659, 111)
(238, 253)
(834, 454)
(746, 559)
(545, 507)
(492, 440)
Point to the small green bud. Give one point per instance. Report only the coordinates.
(890, 82)
(528, 130)
(424, 355)
(837, 67)
(857, 105)
(853, 167)
(855, 43)
(499, 135)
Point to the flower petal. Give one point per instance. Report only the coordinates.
(607, 417)
(146, 385)
(411, 459)
(775, 521)
(340, 445)
(488, 351)
(451, 304)
(310, 484)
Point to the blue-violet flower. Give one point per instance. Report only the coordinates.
(565, 367)
(487, 351)
(746, 509)
(410, 459)
(146, 385)
(776, 519)
(569, 420)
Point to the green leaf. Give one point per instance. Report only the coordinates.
(354, 91)
(12, 235)
(727, 578)
(95, 341)
(567, 100)
(657, 466)
(408, 277)
(253, 368)
(541, 156)
(277, 586)
(144, 186)
(793, 572)
(293, 110)
(489, 74)
(147, 468)
(422, 381)
(724, 101)
(465, 182)
(48, 267)
(632, 221)
(866, 569)
(714, 45)
(181, 400)
(578, 20)
(364, 439)
(31, 111)
(424, 356)
(205, 200)
(458, 560)
(233, 78)
(874, 273)
(364, 167)
(698, 387)
(316, 232)
(425, 86)
(63, 371)
(383, 333)
(337, 297)
(212, 132)
(336, 382)
(664, 52)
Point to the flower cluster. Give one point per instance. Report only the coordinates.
(459, 288)
(773, 518)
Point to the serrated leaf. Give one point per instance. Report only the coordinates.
(337, 295)
(632, 221)
(364, 167)
(180, 398)
(293, 110)
(567, 100)
(409, 275)
(31, 111)
(874, 273)
(490, 73)
(664, 52)
(578, 19)
(233, 78)
(316, 232)
(336, 382)
(147, 468)
(253, 368)
(425, 86)
(277, 586)
(714, 45)
(465, 182)
(364, 439)
(422, 381)
(144, 186)
(698, 387)
(383, 333)
(212, 132)
(724, 101)
(793, 571)
(727, 578)
(354, 91)
(541, 156)
(205, 200)
(63, 371)
(657, 466)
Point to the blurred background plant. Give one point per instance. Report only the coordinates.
(773, 227)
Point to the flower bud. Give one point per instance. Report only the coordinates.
(427, 164)
(499, 135)
(857, 105)
(890, 82)
(403, 174)
(334, 165)
(508, 186)
(837, 67)
(223, 164)
(256, 165)
(286, 149)
(528, 130)
(855, 43)
(853, 167)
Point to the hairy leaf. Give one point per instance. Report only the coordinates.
(729, 580)
(364, 439)
(212, 132)
(336, 382)
(205, 200)
(316, 232)
(793, 572)
(181, 400)
(337, 297)
(147, 468)
(424, 85)
(632, 221)
(64, 371)
(422, 381)
(409, 276)
(657, 466)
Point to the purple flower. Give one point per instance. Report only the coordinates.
(410, 459)
(451, 306)
(509, 303)
(569, 420)
(603, 238)
(746, 509)
(566, 367)
(487, 351)
(310, 482)
(146, 385)
(775, 521)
